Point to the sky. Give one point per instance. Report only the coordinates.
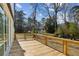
(27, 8)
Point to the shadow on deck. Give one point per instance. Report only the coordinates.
(16, 49)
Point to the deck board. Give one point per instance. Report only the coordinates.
(33, 48)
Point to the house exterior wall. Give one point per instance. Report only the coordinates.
(9, 29)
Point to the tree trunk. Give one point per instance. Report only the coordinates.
(56, 21)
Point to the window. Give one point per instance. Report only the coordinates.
(1, 31)
(4, 32)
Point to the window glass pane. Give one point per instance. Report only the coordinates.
(1, 31)
(6, 32)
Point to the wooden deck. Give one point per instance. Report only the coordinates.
(32, 48)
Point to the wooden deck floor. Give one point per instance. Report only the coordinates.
(32, 48)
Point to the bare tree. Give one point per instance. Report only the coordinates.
(48, 11)
(75, 13)
(65, 9)
(56, 7)
(34, 6)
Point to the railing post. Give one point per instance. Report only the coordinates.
(25, 36)
(45, 40)
(34, 36)
(14, 36)
(65, 47)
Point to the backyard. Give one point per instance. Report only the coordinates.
(39, 29)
